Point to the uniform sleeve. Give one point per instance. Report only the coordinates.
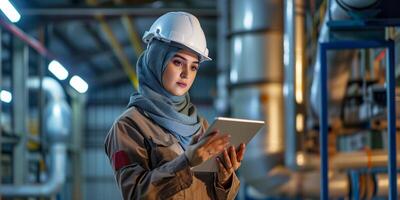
(229, 192)
(136, 178)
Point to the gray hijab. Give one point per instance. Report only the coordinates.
(174, 113)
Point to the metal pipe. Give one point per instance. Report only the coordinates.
(289, 83)
(347, 160)
(286, 183)
(382, 185)
(20, 71)
(339, 74)
(361, 160)
(256, 80)
(254, 62)
(58, 154)
(50, 86)
(57, 129)
(306, 185)
(293, 59)
(222, 101)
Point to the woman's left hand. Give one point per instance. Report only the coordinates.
(230, 162)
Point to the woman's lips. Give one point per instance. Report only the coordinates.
(182, 85)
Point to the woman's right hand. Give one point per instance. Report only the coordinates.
(206, 147)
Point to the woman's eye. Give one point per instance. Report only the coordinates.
(195, 68)
(177, 63)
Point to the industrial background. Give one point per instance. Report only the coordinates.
(323, 75)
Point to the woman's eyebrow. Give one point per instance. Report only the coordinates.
(183, 58)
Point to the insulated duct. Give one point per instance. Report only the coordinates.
(256, 79)
(346, 160)
(352, 160)
(339, 62)
(57, 129)
(286, 183)
(294, 62)
(307, 185)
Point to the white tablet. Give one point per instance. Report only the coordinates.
(241, 131)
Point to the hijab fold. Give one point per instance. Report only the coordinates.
(174, 113)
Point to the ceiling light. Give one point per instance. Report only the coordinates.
(9, 10)
(5, 96)
(58, 70)
(78, 84)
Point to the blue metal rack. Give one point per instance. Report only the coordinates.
(390, 90)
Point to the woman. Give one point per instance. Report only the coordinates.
(156, 142)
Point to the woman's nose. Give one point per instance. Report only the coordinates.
(184, 72)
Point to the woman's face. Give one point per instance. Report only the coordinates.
(180, 72)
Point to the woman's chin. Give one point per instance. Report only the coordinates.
(179, 92)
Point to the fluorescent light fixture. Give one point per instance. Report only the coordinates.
(5, 96)
(58, 70)
(78, 84)
(9, 10)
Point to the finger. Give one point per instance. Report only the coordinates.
(196, 138)
(221, 167)
(240, 152)
(232, 154)
(217, 140)
(227, 160)
(211, 137)
(212, 133)
(201, 135)
(218, 146)
(206, 139)
(223, 173)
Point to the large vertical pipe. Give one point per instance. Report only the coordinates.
(222, 101)
(293, 59)
(256, 79)
(289, 83)
(78, 121)
(20, 107)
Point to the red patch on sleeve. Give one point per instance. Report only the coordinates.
(120, 159)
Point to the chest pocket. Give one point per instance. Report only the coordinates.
(162, 151)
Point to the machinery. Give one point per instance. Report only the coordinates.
(269, 68)
(287, 154)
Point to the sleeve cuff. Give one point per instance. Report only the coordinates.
(228, 192)
(183, 171)
(219, 187)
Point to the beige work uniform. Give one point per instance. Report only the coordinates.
(149, 163)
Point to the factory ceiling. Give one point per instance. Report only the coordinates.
(100, 40)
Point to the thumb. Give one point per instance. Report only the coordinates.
(196, 138)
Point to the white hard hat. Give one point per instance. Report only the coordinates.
(182, 28)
